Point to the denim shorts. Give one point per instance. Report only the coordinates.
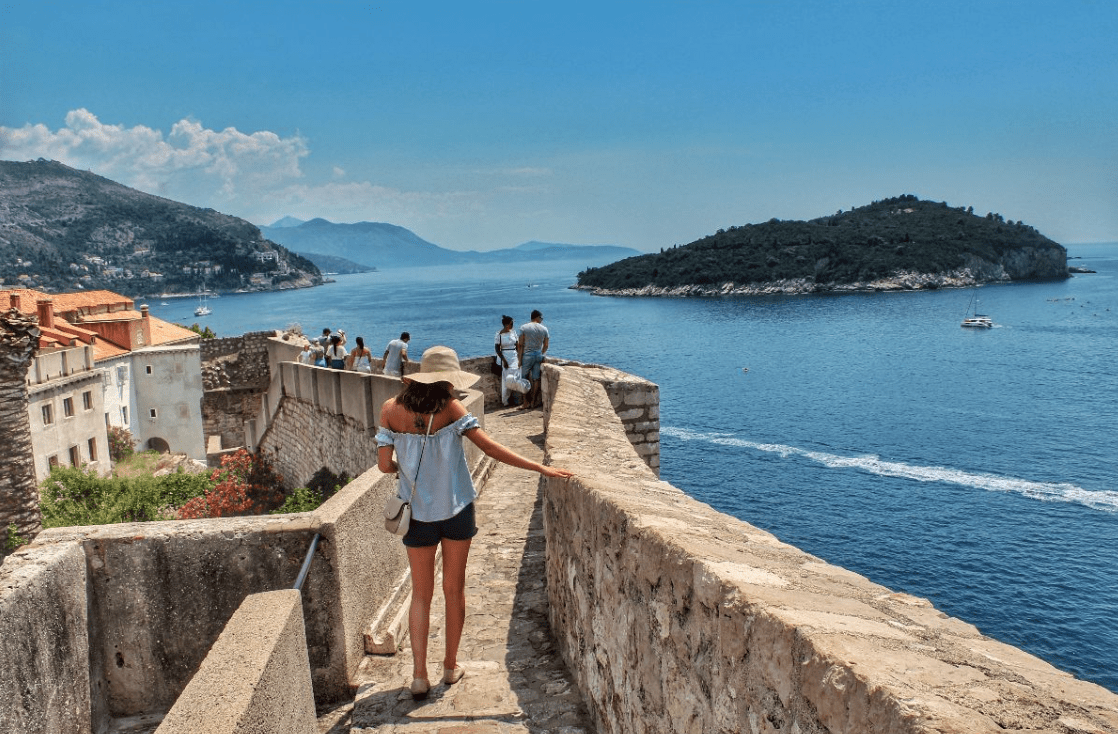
(530, 367)
(460, 527)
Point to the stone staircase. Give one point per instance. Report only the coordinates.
(515, 680)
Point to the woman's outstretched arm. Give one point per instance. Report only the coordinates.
(504, 454)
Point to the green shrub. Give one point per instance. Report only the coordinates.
(72, 496)
(321, 487)
(300, 500)
(13, 539)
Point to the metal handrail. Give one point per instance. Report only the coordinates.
(306, 564)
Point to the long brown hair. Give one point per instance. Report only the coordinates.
(424, 398)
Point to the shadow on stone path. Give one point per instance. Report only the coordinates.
(515, 680)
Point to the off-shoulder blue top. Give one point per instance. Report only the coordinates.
(445, 486)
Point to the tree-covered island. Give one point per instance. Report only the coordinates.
(902, 243)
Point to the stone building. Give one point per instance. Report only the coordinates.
(102, 363)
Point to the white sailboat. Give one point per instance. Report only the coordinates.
(203, 303)
(975, 320)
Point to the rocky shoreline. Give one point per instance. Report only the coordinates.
(905, 281)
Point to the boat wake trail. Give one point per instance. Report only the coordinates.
(1106, 501)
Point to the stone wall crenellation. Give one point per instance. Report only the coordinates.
(237, 362)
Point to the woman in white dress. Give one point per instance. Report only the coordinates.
(361, 358)
(505, 345)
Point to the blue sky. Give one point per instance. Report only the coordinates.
(485, 124)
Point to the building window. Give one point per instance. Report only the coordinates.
(124, 414)
(52, 462)
(48, 414)
(75, 456)
(153, 413)
(107, 423)
(87, 400)
(68, 407)
(148, 369)
(93, 449)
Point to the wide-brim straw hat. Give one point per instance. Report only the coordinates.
(440, 364)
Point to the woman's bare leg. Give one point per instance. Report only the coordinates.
(422, 562)
(455, 553)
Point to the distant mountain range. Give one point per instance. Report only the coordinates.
(62, 229)
(382, 246)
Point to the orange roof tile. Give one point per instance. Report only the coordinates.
(164, 332)
(111, 316)
(89, 299)
(57, 336)
(105, 350)
(28, 299)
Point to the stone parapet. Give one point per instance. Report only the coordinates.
(259, 665)
(676, 618)
(635, 401)
(44, 679)
(159, 594)
(316, 417)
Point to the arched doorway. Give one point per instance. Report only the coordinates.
(158, 444)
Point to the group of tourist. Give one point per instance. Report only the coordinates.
(520, 353)
(329, 350)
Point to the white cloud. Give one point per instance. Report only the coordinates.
(191, 163)
(256, 176)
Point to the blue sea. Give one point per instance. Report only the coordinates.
(973, 467)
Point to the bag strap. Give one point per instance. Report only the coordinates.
(420, 462)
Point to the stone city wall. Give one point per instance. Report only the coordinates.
(316, 417)
(159, 594)
(676, 618)
(236, 371)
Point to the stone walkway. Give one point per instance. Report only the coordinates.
(515, 680)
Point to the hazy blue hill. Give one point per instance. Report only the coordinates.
(373, 244)
(381, 245)
(286, 222)
(330, 264)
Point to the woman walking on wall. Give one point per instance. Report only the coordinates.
(420, 440)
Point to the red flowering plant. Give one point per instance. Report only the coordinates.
(244, 484)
